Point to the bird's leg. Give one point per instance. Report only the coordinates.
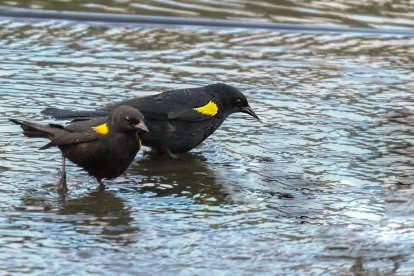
(62, 187)
(101, 186)
(168, 151)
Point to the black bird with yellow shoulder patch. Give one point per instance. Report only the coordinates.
(104, 147)
(178, 120)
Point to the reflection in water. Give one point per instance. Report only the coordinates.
(102, 209)
(353, 13)
(187, 176)
(311, 190)
(96, 213)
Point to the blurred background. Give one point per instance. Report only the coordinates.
(322, 186)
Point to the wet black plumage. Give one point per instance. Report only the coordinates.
(178, 120)
(104, 147)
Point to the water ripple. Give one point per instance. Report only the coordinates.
(369, 13)
(321, 185)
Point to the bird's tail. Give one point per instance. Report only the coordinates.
(63, 114)
(32, 129)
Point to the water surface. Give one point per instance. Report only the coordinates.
(321, 186)
(369, 13)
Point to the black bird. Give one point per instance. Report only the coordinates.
(178, 120)
(104, 147)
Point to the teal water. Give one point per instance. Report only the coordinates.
(321, 186)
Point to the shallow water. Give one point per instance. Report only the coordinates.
(369, 13)
(322, 185)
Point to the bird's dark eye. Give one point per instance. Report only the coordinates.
(132, 121)
(239, 102)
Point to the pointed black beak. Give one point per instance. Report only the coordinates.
(141, 126)
(249, 110)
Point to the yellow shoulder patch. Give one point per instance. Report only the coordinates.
(209, 109)
(139, 143)
(101, 129)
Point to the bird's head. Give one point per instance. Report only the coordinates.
(127, 119)
(231, 99)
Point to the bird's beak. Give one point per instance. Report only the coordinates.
(141, 126)
(249, 110)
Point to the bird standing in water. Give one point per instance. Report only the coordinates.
(178, 120)
(103, 147)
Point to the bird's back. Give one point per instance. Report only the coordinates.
(175, 124)
(159, 106)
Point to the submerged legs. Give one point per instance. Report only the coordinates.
(62, 187)
(168, 151)
(101, 186)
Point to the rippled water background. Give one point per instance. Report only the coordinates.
(322, 185)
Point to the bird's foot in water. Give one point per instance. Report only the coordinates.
(171, 154)
(157, 153)
(101, 186)
(62, 186)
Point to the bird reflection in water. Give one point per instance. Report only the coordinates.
(98, 212)
(100, 208)
(107, 215)
(188, 176)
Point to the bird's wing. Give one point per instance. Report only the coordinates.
(187, 114)
(86, 125)
(190, 104)
(80, 132)
(182, 104)
(72, 138)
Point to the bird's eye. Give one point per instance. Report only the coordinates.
(239, 102)
(128, 119)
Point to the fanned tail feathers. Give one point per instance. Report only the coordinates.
(32, 129)
(37, 130)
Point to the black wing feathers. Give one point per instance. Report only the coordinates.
(59, 135)
(170, 105)
(71, 138)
